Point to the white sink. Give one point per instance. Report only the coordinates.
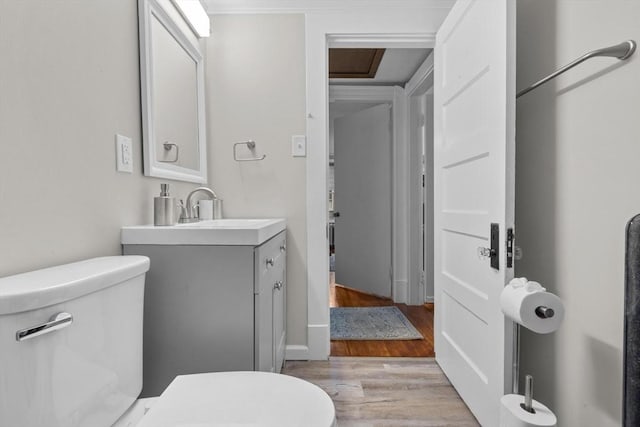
(246, 232)
(227, 223)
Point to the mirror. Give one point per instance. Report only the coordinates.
(172, 95)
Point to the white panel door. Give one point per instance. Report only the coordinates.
(474, 149)
(362, 156)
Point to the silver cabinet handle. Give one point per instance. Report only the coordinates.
(270, 262)
(283, 247)
(57, 321)
(278, 285)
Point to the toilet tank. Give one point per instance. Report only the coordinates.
(85, 371)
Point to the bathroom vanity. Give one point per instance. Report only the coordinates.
(215, 297)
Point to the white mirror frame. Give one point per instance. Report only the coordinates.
(186, 39)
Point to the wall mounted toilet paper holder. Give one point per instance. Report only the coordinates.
(544, 312)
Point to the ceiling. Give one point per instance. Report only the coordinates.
(396, 68)
(303, 6)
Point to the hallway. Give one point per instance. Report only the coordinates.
(420, 316)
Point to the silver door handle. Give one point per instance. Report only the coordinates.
(485, 252)
(270, 262)
(278, 285)
(57, 321)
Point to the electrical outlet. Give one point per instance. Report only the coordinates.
(124, 154)
(299, 146)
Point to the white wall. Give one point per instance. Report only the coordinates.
(578, 145)
(69, 81)
(256, 90)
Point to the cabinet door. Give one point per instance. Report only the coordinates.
(270, 303)
(198, 311)
(280, 310)
(264, 356)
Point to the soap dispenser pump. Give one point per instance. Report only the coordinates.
(164, 207)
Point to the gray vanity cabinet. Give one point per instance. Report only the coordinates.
(212, 308)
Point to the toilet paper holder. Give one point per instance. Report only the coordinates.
(527, 405)
(544, 312)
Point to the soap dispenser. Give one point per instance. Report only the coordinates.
(164, 207)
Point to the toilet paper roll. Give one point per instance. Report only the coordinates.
(520, 299)
(205, 209)
(513, 415)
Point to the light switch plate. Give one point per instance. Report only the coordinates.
(299, 146)
(124, 154)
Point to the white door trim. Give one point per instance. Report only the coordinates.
(319, 31)
(364, 94)
(420, 82)
(302, 6)
(420, 76)
(378, 41)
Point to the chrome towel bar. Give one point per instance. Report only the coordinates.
(621, 51)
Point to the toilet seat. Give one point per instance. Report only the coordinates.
(241, 399)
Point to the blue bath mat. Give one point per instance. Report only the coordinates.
(371, 323)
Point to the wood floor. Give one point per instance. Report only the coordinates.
(389, 392)
(420, 316)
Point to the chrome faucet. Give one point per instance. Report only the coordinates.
(188, 209)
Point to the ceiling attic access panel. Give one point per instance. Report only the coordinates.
(354, 63)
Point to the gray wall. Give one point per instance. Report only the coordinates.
(69, 81)
(578, 145)
(256, 90)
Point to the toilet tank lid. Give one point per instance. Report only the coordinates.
(42, 288)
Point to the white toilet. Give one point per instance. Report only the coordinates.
(71, 356)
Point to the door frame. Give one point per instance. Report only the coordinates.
(420, 83)
(395, 96)
(321, 32)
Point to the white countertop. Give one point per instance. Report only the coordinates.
(245, 232)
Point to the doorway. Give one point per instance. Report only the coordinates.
(378, 155)
(392, 30)
(474, 106)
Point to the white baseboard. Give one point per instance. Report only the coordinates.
(318, 342)
(400, 292)
(296, 352)
(429, 300)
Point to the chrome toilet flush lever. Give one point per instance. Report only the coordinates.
(56, 322)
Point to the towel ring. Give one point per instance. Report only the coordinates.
(251, 145)
(168, 146)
